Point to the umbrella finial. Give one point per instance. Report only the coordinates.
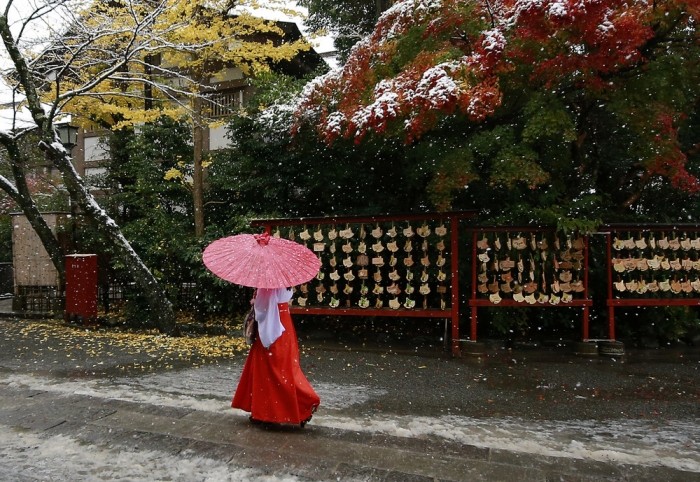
(262, 239)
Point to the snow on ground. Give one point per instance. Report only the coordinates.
(643, 442)
(26, 456)
(624, 442)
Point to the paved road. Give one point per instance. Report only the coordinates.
(77, 406)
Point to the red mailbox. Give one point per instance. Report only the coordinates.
(81, 287)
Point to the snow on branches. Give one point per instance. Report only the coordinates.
(431, 59)
(415, 90)
(461, 48)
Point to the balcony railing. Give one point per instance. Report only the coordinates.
(223, 104)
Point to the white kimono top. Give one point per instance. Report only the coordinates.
(267, 313)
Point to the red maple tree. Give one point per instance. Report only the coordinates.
(428, 60)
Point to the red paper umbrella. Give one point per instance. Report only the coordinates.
(261, 261)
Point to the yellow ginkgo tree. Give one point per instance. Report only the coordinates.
(115, 63)
(189, 44)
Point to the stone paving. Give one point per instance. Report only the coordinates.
(315, 453)
(321, 452)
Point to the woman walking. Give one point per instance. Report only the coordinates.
(273, 387)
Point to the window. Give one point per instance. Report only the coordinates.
(95, 176)
(95, 149)
(223, 104)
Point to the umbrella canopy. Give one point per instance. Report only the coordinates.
(261, 261)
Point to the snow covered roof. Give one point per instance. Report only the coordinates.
(14, 118)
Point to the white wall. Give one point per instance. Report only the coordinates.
(217, 138)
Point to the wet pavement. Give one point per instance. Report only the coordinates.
(77, 406)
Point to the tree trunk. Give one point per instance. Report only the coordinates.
(162, 312)
(198, 175)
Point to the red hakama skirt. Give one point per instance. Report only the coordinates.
(272, 386)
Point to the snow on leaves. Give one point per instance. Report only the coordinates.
(416, 91)
(402, 15)
(428, 59)
(581, 39)
(574, 38)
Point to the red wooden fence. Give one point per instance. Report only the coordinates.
(651, 265)
(528, 267)
(402, 266)
(408, 266)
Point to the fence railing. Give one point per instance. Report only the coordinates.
(528, 267)
(423, 265)
(409, 266)
(651, 265)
